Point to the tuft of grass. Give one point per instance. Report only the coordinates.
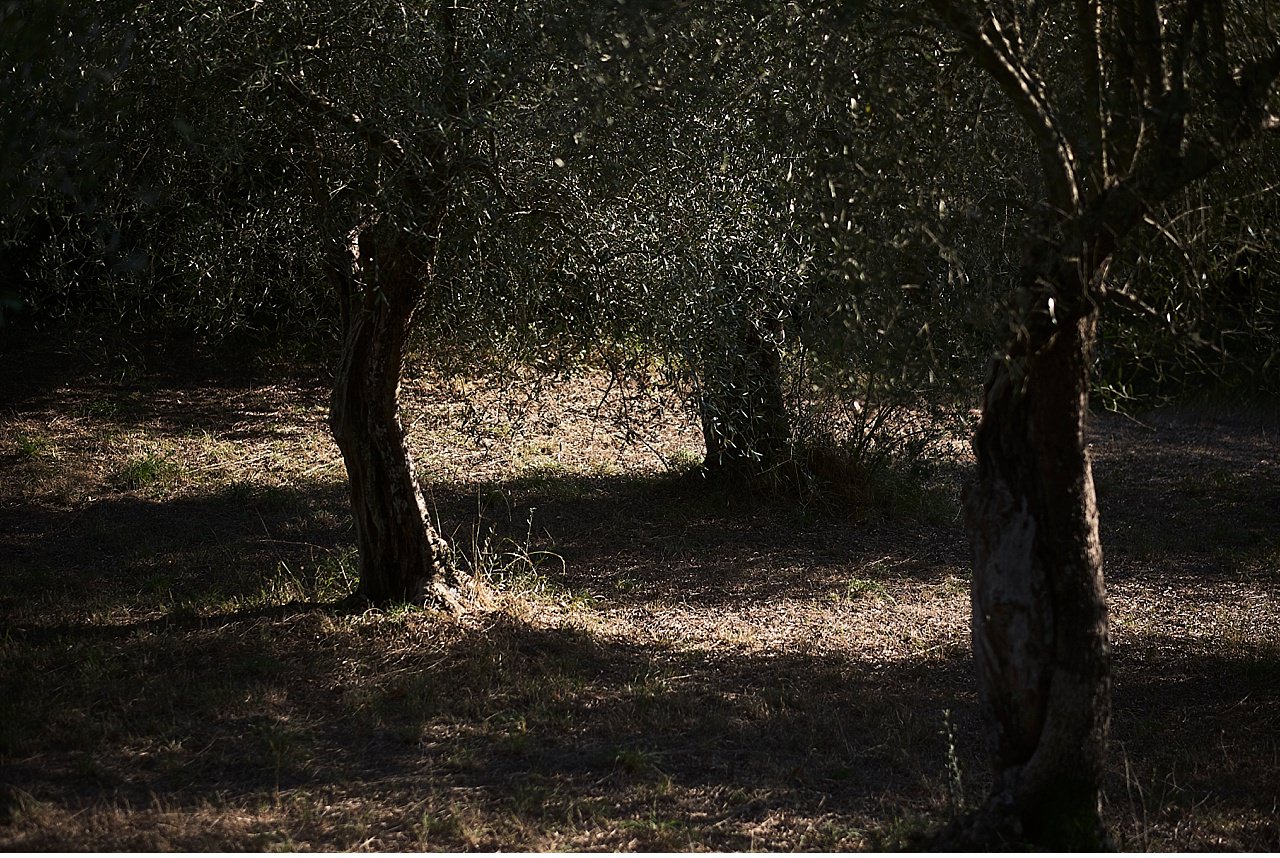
(861, 588)
(658, 832)
(447, 827)
(906, 832)
(100, 409)
(149, 470)
(636, 761)
(682, 462)
(516, 567)
(265, 498)
(331, 579)
(285, 748)
(549, 479)
(29, 448)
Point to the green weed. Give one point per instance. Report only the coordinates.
(862, 588)
(147, 471)
(100, 409)
(28, 448)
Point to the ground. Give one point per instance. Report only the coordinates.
(667, 665)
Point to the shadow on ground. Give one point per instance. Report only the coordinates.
(130, 553)
(623, 539)
(1190, 499)
(521, 727)
(680, 536)
(199, 649)
(534, 724)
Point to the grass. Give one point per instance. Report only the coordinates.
(664, 666)
(29, 448)
(330, 579)
(859, 588)
(147, 471)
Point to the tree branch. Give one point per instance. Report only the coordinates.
(1150, 50)
(1138, 307)
(384, 144)
(993, 52)
(1089, 22)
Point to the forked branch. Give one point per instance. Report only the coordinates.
(995, 53)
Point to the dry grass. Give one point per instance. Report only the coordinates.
(671, 666)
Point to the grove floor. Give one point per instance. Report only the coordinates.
(668, 665)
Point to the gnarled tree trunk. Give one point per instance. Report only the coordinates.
(1039, 607)
(383, 238)
(743, 406)
(1161, 101)
(402, 557)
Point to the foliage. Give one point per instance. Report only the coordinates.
(1208, 268)
(647, 180)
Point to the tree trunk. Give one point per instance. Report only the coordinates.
(743, 407)
(402, 557)
(1039, 609)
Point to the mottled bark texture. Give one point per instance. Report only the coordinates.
(744, 414)
(402, 557)
(1164, 93)
(1039, 607)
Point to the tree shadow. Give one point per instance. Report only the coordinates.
(126, 552)
(527, 719)
(644, 538)
(1192, 500)
(622, 539)
(534, 723)
(1195, 740)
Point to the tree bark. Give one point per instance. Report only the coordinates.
(1039, 610)
(402, 557)
(743, 407)
(1039, 606)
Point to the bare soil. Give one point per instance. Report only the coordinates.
(670, 664)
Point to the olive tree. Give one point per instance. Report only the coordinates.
(338, 139)
(1126, 104)
(750, 188)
